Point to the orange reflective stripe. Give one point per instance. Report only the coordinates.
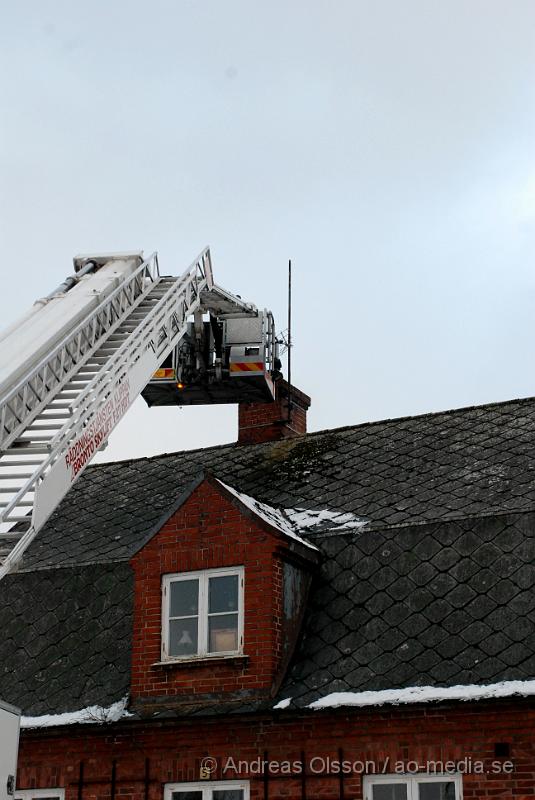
(247, 366)
(164, 373)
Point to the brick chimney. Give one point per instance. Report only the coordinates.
(270, 422)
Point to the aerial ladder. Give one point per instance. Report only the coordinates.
(115, 330)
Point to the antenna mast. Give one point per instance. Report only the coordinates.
(289, 340)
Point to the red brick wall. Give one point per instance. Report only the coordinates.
(269, 422)
(208, 532)
(175, 750)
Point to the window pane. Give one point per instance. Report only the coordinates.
(29, 794)
(223, 633)
(390, 791)
(184, 599)
(439, 790)
(183, 637)
(227, 794)
(187, 795)
(223, 594)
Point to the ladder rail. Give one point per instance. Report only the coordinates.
(32, 393)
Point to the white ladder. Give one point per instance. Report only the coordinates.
(63, 411)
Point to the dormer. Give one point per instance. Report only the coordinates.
(220, 588)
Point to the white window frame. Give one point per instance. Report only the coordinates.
(412, 780)
(203, 577)
(207, 787)
(32, 794)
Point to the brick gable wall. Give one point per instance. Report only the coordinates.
(208, 532)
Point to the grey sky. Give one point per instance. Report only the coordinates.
(387, 147)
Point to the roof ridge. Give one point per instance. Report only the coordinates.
(322, 432)
(164, 455)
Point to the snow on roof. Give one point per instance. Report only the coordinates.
(91, 714)
(326, 520)
(283, 703)
(420, 694)
(294, 521)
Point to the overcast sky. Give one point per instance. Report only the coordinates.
(387, 147)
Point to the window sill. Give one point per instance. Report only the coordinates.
(203, 661)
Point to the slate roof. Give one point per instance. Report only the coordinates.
(66, 637)
(437, 589)
(447, 465)
(439, 604)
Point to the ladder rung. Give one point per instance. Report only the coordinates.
(26, 448)
(55, 415)
(22, 463)
(58, 406)
(11, 489)
(13, 534)
(33, 439)
(64, 394)
(17, 518)
(79, 385)
(15, 476)
(39, 427)
(20, 504)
